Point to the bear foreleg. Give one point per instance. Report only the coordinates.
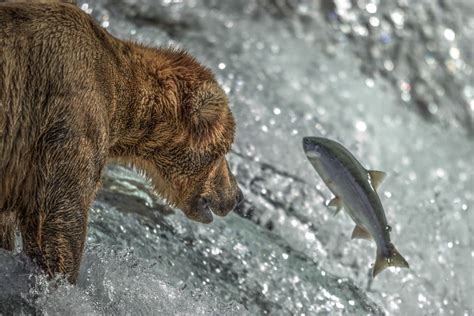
(54, 228)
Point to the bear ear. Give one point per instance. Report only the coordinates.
(207, 110)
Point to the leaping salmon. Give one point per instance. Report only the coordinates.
(355, 188)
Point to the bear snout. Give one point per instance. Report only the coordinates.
(202, 210)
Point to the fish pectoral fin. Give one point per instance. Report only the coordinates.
(337, 203)
(376, 178)
(360, 232)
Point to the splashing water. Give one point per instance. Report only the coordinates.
(292, 69)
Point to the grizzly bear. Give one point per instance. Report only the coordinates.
(73, 97)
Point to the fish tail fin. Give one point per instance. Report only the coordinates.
(391, 258)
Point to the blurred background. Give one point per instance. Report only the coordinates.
(391, 80)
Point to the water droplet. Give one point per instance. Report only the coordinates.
(309, 236)
(85, 7)
(398, 18)
(265, 288)
(432, 108)
(388, 65)
(406, 96)
(454, 53)
(369, 82)
(371, 8)
(405, 86)
(275, 48)
(421, 298)
(361, 126)
(361, 30)
(440, 173)
(449, 34)
(215, 251)
(374, 21)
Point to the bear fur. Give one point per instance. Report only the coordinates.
(73, 97)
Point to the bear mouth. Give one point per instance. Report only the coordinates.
(203, 212)
(205, 209)
(206, 214)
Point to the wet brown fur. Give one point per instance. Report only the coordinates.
(72, 97)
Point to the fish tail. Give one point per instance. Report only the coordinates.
(389, 258)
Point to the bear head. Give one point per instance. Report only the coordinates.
(186, 130)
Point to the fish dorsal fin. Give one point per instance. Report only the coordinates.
(337, 203)
(360, 232)
(376, 178)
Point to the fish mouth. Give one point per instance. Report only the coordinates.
(311, 148)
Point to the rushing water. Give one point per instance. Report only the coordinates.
(391, 80)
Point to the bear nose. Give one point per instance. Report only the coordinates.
(203, 202)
